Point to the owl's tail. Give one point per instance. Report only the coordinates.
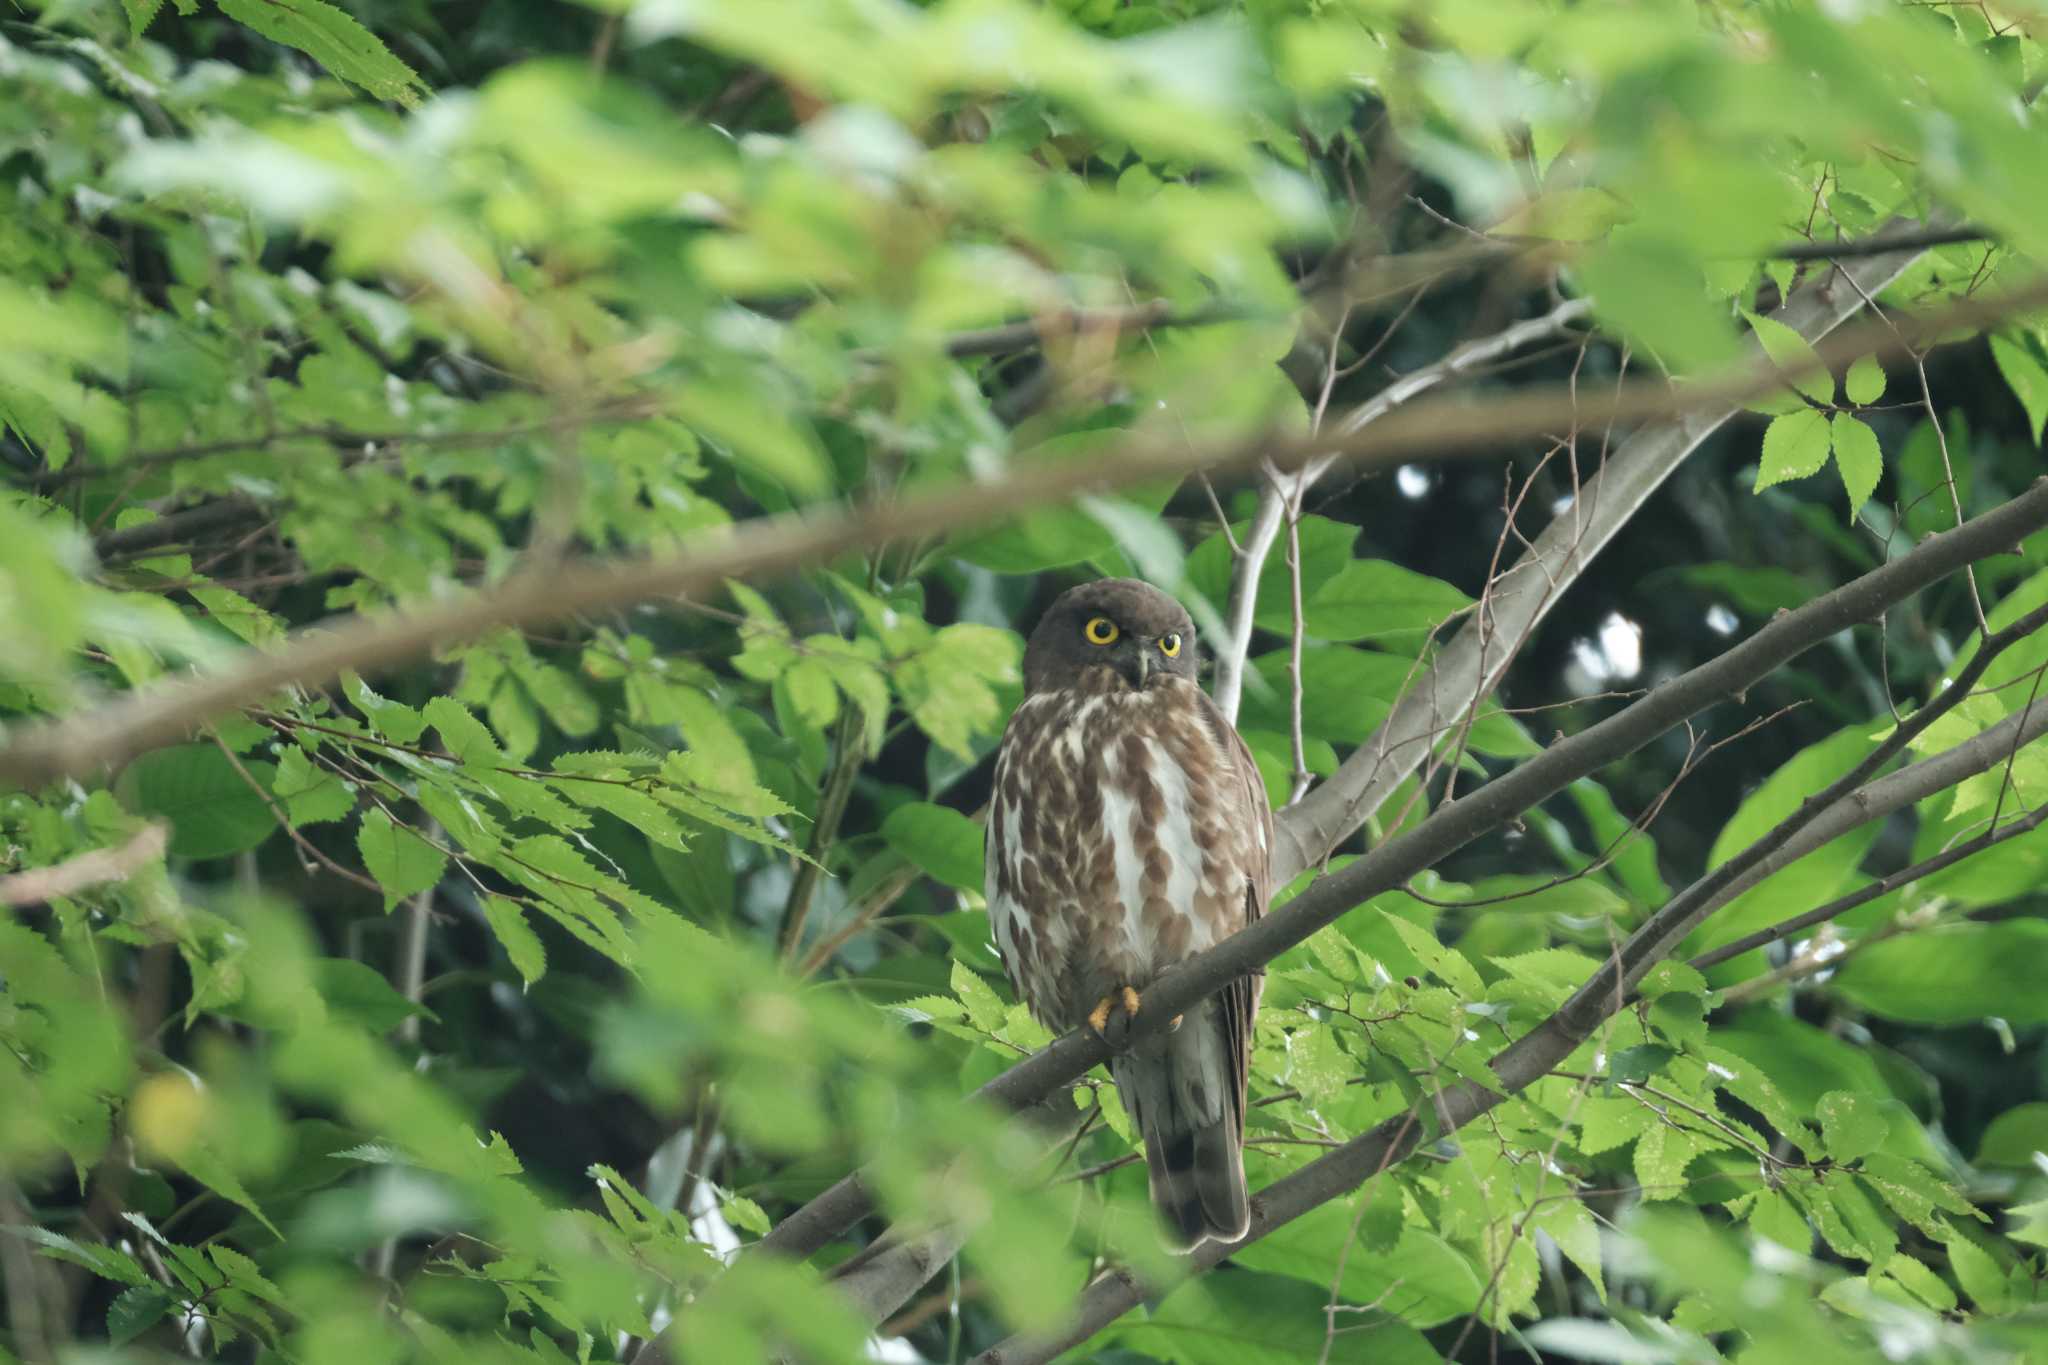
(1184, 1091)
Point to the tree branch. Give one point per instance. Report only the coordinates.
(1279, 491)
(1883, 886)
(1477, 657)
(1523, 1062)
(87, 742)
(1456, 824)
(1227, 688)
(73, 875)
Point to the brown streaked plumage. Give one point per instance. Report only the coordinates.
(1129, 830)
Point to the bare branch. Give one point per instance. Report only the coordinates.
(1227, 688)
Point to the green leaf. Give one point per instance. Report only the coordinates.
(462, 734)
(1376, 600)
(755, 430)
(393, 720)
(1952, 974)
(1447, 965)
(140, 13)
(402, 862)
(2016, 1137)
(1924, 1285)
(745, 1214)
(214, 811)
(311, 795)
(1813, 879)
(212, 1169)
(1857, 459)
(1864, 383)
(1570, 1224)
(109, 1263)
(1653, 292)
(1423, 1277)
(2025, 376)
(360, 992)
(940, 840)
(516, 936)
(1980, 1274)
(1851, 1125)
(1790, 351)
(985, 1009)
(1795, 446)
(135, 1311)
(335, 40)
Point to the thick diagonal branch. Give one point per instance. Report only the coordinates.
(1537, 1053)
(1488, 808)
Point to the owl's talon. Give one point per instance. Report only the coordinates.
(1122, 1000)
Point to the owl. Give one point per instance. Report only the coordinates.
(1129, 830)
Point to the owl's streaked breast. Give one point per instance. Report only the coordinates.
(1110, 856)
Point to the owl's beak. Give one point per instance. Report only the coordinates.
(1138, 667)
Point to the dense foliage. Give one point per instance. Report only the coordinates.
(482, 1001)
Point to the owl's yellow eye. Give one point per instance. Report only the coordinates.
(1100, 630)
(1169, 645)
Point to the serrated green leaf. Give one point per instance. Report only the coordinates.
(109, 1263)
(1795, 446)
(311, 795)
(134, 1311)
(1864, 383)
(1857, 459)
(1851, 1125)
(516, 937)
(1792, 352)
(331, 37)
(462, 734)
(402, 862)
(984, 1007)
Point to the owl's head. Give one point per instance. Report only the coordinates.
(1131, 628)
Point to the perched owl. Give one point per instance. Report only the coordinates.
(1128, 831)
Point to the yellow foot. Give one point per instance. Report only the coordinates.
(1124, 997)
